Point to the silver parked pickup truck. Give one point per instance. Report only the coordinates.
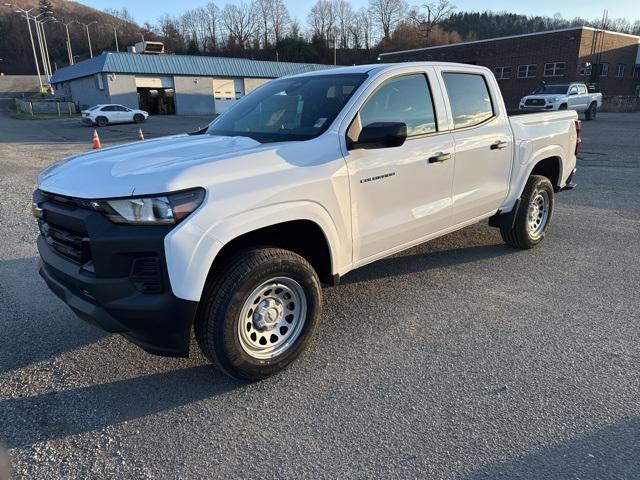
(572, 96)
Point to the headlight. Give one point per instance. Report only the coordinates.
(554, 99)
(167, 209)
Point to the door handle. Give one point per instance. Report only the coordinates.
(440, 157)
(499, 145)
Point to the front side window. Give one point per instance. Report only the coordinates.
(469, 98)
(405, 99)
(297, 108)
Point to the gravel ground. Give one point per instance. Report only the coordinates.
(458, 359)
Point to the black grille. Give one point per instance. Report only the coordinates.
(69, 244)
(535, 102)
(146, 275)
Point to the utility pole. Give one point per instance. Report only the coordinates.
(33, 46)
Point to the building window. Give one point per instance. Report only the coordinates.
(620, 70)
(585, 69)
(604, 69)
(527, 71)
(502, 73)
(99, 81)
(554, 69)
(636, 72)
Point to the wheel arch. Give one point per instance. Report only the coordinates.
(193, 253)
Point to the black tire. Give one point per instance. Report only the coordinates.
(102, 121)
(563, 107)
(519, 235)
(218, 317)
(590, 113)
(138, 118)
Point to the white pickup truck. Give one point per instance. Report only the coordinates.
(231, 230)
(572, 96)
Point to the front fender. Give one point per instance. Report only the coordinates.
(191, 250)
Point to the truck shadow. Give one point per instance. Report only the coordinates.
(611, 452)
(480, 245)
(35, 325)
(79, 410)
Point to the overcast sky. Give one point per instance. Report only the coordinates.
(150, 10)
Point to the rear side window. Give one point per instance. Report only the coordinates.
(402, 99)
(469, 98)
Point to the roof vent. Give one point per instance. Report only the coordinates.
(152, 48)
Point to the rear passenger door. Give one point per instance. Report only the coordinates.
(483, 143)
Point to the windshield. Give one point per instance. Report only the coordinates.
(93, 108)
(552, 89)
(296, 108)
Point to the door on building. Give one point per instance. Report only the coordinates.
(226, 91)
(156, 95)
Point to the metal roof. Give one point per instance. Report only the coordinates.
(136, 63)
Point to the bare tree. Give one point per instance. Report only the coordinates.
(240, 21)
(387, 13)
(279, 19)
(434, 13)
(213, 25)
(344, 18)
(322, 19)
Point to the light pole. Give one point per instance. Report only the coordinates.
(41, 45)
(44, 41)
(33, 45)
(115, 34)
(69, 51)
(86, 27)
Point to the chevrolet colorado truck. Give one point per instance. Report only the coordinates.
(230, 231)
(572, 96)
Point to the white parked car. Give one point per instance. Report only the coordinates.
(231, 230)
(563, 96)
(102, 115)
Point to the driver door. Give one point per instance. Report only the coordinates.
(399, 195)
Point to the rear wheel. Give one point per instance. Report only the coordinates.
(533, 215)
(138, 118)
(590, 113)
(102, 121)
(259, 312)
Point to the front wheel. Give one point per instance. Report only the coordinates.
(259, 312)
(102, 121)
(138, 118)
(533, 215)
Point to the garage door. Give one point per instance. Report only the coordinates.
(154, 82)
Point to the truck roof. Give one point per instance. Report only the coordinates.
(378, 67)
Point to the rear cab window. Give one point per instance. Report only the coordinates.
(469, 98)
(405, 99)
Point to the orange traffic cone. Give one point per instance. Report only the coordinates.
(140, 135)
(96, 140)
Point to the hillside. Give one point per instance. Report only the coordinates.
(15, 46)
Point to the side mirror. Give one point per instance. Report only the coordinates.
(381, 135)
(573, 92)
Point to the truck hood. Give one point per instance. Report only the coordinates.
(147, 167)
(544, 96)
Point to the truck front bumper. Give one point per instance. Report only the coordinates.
(113, 276)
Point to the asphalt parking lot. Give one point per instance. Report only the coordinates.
(458, 359)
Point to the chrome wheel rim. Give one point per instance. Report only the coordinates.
(272, 317)
(538, 214)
